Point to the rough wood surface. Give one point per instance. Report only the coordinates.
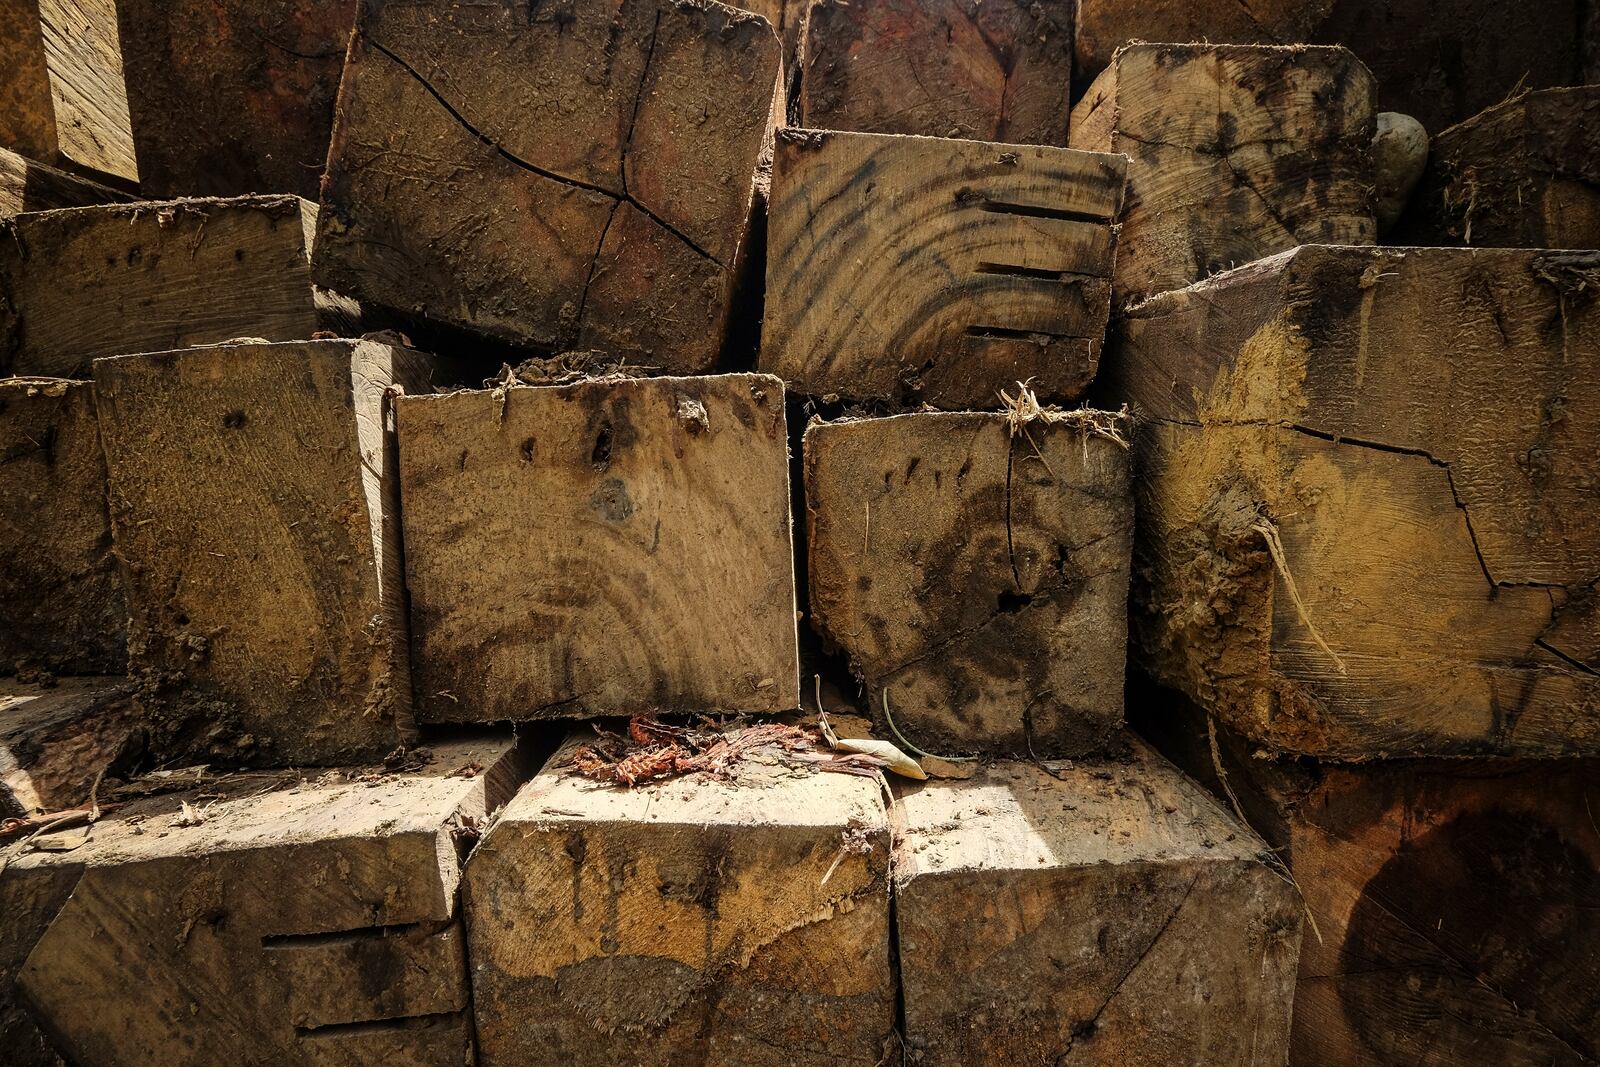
(235, 98)
(1235, 152)
(996, 71)
(577, 178)
(259, 919)
(1456, 899)
(697, 920)
(62, 606)
(1523, 174)
(1104, 912)
(254, 503)
(57, 739)
(1103, 26)
(921, 270)
(86, 282)
(977, 578)
(27, 116)
(1416, 428)
(29, 186)
(88, 86)
(615, 546)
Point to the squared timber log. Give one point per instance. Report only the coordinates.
(82, 283)
(62, 607)
(56, 740)
(740, 922)
(578, 179)
(63, 94)
(922, 270)
(1523, 174)
(1105, 912)
(977, 579)
(29, 186)
(256, 919)
(1365, 497)
(1456, 899)
(1235, 153)
(254, 501)
(939, 68)
(615, 546)
(1103, 26)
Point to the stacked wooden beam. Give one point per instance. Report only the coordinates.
(467, 692)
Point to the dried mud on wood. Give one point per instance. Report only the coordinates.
(975, 575)
(254, 504)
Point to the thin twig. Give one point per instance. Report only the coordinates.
(913, 748)
(1269, 534)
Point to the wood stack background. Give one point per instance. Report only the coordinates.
(901, 532)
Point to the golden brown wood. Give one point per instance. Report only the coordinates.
(1455, 899)
(62, 607)
(1367, 476)
(1103, 26)
(1523, 174)
(732, 923)
(1103, 912)
(977, 578)
(259, 919)
(29, 186)
(81, 283)
(57, 740)
(940, 68)
(254, 503)
(919, 270)
(1235, 152)
(615, 546)
(577, 179)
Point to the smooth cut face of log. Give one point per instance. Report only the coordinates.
(249, 111)
(57, 740)
(922, 270)
(1235, 153)
(940, 68)
(1456, 899)
(570, 179)
(1103, 912)
(976, 577)
(82, 283)
(62, 607)
(254, 504)
(1366, 482)
(1103, 26)
(29, 186)
(615, 546)
(696, 920)
(260, 919)
(1523, 174)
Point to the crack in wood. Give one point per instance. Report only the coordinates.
(534, 168)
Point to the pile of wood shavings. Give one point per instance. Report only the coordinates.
(653, 750)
